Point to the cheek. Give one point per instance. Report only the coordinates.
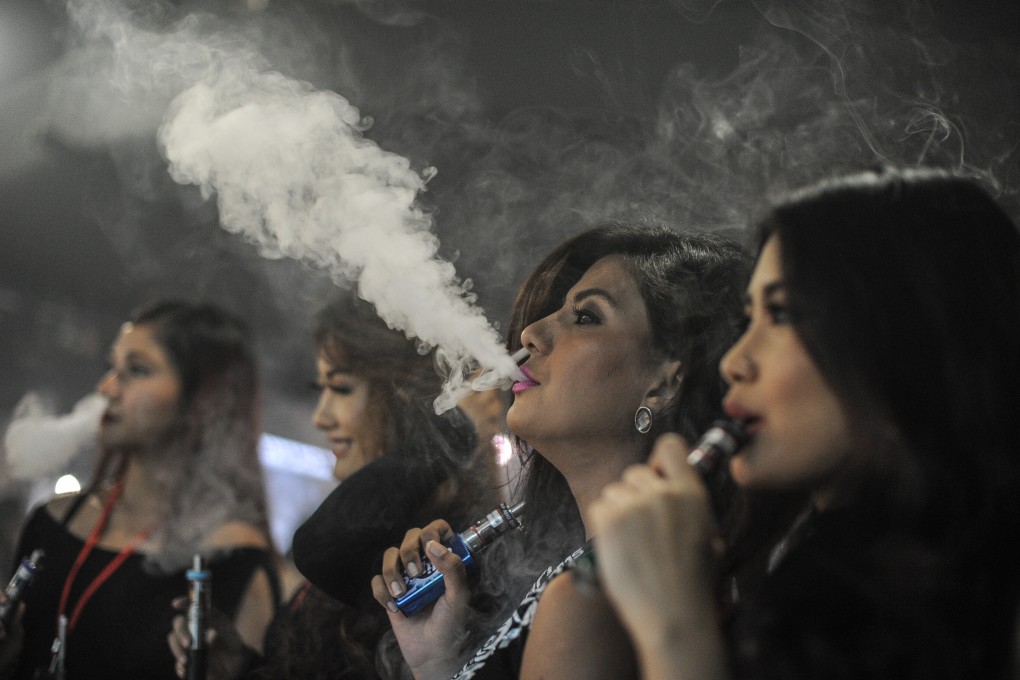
(156, 407)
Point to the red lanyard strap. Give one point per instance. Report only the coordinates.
(107, 571)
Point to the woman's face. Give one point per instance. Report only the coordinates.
(590, 365)
(800, 437)
(344, 414)
(143, 392)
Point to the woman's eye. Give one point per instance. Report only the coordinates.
(137, 370)
(778, 313)
(584, 317)
(335, 388)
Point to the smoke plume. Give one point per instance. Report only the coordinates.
(293, 173)
(39, 442)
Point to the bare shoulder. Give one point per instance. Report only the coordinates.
(236, 534)
(575, 634)
(59, 505)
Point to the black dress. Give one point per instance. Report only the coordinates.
(122, 630)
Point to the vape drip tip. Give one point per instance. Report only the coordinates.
(15, 590)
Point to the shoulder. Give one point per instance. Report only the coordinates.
(236, 534)
(576, 634)
(58, 506)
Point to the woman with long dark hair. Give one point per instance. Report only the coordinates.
(178, 475)
(398, 464)
(879, 375)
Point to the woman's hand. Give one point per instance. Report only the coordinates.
(654, 534)
(227, 655)
(430, 640)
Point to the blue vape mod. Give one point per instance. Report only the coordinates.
(426, 588)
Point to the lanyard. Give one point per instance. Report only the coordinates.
(107, 571)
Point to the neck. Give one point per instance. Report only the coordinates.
(144, 490)
(591, 467)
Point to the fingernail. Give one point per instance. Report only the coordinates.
(395, 588)
(412, 570)
(435, 549)
(392, 607)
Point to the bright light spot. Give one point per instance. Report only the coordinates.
(504, 449)
(281, 453)
(67, 484)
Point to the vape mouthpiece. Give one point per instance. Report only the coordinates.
(717, 445)
(490, 380)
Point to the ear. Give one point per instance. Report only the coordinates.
(666, 379)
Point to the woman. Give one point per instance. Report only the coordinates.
(398, 464)
(624, 325)
(178, 475)
(879, 374)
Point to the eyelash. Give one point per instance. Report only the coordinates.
(584, 317)
(335, 389)
(778, 313)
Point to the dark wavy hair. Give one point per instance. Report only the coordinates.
(329, 638)
(692, 285)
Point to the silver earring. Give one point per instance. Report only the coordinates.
(643, 419)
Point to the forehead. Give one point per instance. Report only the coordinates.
(769, 268)
(327, 362)
(134, 339)
(611, 275)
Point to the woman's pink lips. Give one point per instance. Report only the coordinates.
(522, 385)
(341, 448)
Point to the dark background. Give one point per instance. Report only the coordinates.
(542, 117)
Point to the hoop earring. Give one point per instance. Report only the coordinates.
(643, 419)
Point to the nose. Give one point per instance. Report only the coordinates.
(321, 416)
(108, 385)
(537, 336)
(737, 365)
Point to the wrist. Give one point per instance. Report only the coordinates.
(437, 669)
(680, 649)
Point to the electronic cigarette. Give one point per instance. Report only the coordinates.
(15, 590)
(717, 445)
(199, 585)
(723, 439)
(426, 588)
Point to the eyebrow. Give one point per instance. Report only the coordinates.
(773, 288)
(593, 292)
(767, 291)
